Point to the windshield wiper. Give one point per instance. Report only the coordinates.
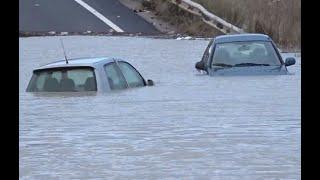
(222, 65)
(250, 64)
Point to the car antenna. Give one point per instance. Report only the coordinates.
(64, 52)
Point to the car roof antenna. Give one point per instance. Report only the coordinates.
(64, 52)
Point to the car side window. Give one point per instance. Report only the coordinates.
(115, 77)
(132, 76)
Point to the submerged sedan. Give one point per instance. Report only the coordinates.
(86, 74)
(243, 54)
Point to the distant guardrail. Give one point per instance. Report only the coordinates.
(207, 17)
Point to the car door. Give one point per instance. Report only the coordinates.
(132, 76)
(115, 77)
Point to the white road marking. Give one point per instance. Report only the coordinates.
(99, 15)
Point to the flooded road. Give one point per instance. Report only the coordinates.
(187, 126)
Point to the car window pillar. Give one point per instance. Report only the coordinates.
(121, 74)
(99, 78)
(277, 52)
(210, 58)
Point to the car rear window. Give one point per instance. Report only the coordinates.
(76, 79)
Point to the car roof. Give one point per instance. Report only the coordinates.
(78, 62)
(241, 38)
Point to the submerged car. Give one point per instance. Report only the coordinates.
(243, 54)
(86, 74)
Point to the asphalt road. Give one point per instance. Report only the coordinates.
(72, 16)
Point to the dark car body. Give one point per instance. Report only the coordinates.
(207, 63)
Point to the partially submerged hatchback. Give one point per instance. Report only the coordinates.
(243, 54)
(86, 74)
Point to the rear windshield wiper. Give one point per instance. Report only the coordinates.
(222, 65)
(250, 64)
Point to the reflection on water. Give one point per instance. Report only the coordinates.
(186, 126)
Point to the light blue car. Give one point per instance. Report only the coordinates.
(86, 74)
(243, 54)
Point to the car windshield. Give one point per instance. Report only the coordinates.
(63, 80)
(237, 54)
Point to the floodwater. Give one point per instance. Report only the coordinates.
(187, 126)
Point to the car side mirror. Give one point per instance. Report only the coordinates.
(290, 61)
(150, 82)
(200, 65)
